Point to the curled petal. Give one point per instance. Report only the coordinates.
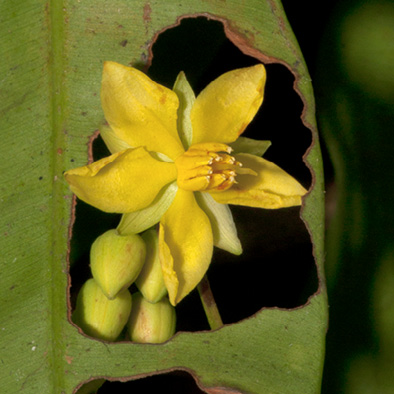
(140, 111)
(185, 245)
(113, 184)
(271, 188)
(226, 106)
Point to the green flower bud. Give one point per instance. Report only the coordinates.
(151, 323)
(150, 281)
(116, 260)
(99, 316)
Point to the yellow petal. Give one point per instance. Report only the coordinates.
(185, 245)
(226, 106)
(271, 188)
(140, 111)
(123, 182)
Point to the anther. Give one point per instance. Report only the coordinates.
(207, 166)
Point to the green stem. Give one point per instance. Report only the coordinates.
(209, 304)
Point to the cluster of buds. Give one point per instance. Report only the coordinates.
(105, 305)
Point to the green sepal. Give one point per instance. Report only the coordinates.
(138, 221)
(186, 98)
(111, 140)
(223, 227)
(251, 146)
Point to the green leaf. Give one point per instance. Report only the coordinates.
(357, 117)
(52, 56)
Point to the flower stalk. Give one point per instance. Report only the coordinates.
(209, 304)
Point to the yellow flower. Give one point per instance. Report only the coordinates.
(176, 159)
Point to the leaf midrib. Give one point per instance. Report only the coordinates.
(57, 94)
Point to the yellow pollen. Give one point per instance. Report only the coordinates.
(207, 166)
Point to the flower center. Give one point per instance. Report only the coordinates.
(207, 166)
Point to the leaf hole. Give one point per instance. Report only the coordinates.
(176, 382)
(277, 268)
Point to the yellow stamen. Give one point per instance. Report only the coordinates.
(207, 166)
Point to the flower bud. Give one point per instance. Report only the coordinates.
(116, 260)
(150, 281)
(99, 316)
(151, 323)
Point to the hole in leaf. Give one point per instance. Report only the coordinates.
(177, 382)
(277, 267)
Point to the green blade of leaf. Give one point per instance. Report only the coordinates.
(49, 105)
